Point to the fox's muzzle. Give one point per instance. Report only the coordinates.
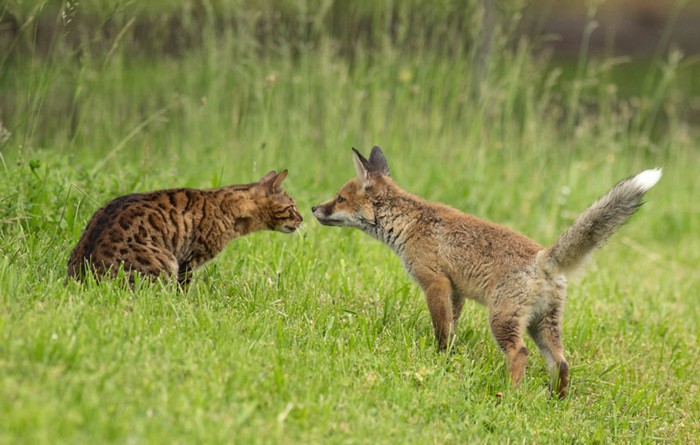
(320, 212)
(324, 213)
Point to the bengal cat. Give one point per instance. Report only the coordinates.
(170, 233)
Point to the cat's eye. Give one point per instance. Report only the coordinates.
(339, 199)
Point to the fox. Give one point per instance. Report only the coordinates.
(454, 256)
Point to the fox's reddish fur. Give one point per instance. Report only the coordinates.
(454, 256)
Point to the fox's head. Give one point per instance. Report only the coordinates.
(355, 203)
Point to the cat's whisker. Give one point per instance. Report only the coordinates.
(300, 231)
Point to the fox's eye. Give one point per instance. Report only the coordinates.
(339, 200)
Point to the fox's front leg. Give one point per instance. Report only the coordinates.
(438, 294)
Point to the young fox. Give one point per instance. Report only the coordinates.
(454, 256)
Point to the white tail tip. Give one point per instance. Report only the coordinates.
(647, 179)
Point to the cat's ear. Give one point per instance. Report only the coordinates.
(268, 177)
(271, 182)
(278, 180)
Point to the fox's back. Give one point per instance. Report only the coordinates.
(474, 253)
(470, 238)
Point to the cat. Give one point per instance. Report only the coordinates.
(170, 233)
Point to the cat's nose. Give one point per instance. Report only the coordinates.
(313, 209)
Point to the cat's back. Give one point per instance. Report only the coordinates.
(135, 217)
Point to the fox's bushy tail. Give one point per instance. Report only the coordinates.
(595, 225)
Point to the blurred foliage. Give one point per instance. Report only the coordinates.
(171, 28)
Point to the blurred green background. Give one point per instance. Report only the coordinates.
(518, 112)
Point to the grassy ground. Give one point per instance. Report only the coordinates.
(320, 337)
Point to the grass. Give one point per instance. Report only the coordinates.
(320, 337)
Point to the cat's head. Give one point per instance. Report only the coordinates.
(280, 209)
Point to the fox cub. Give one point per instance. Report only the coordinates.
(454, 256)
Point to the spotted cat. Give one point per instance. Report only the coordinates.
(170, 233)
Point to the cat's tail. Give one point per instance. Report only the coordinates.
(595, 225)
(76, 267)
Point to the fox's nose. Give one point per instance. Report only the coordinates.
(313, 209)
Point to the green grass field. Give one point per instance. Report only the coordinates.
(320, 337)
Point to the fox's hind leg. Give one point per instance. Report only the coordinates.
(546, 332)
(507, 326)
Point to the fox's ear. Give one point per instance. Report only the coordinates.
(361, 167)
(278, 180)
(378, 162)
